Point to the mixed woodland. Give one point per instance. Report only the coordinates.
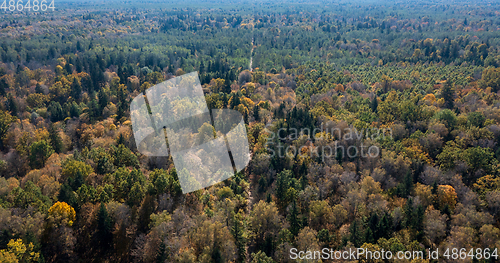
(74, 188)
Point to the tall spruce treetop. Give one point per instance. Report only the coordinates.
(448, 94)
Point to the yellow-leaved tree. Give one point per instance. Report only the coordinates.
(17, 251)
(62, 213)
(446, 195)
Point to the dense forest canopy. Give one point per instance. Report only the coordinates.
(74, 187)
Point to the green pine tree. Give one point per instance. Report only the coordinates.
(103, 99)
(293, 218)
(374, 104)
(237, 231)
(4, 86)
(448, 94)
(356, 234)
(104, 227)
(55, 140)
(76, 89)
(256, 116)
(162, 255)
